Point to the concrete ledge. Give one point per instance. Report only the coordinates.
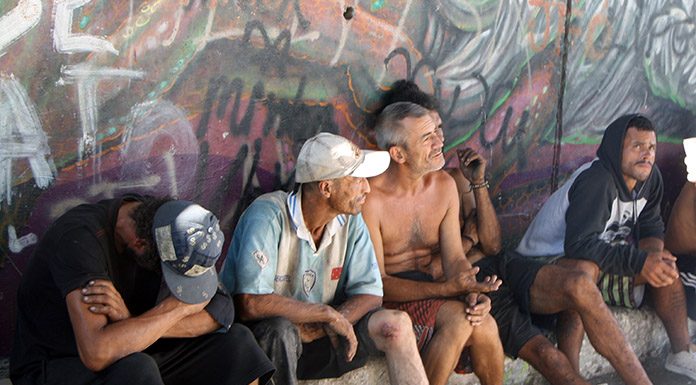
(642, 328)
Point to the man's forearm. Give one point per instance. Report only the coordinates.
(487, 223)
(651, 244)
(357, 306)
(101, 343)
(404, 290)
(259, 306)
(193, 326)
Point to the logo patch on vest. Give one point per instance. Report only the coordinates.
(282, 278)
(336, 273)
(309, 278)
(260, 258)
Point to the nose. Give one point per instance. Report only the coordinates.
(648, 153)
(440, 134)
(366, 186)
(439, 140)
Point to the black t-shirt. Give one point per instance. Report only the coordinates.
(77, 248)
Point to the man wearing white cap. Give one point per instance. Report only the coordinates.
(302, 266)
(110, 280)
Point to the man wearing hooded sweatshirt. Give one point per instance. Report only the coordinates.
(605, 220)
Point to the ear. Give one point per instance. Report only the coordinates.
(397, 154)
(140, 243)
(324, 187)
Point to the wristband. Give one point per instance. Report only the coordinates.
(480, 185)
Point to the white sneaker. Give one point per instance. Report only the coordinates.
(683, 363)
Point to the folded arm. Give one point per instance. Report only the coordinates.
(104, 299)
(101, 342)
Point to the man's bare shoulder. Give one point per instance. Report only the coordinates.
(442, 181)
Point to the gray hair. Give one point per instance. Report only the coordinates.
(389, 131)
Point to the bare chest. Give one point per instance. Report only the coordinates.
(410, 226)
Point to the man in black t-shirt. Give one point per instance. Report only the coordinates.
(109, 281)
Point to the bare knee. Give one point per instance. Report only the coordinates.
(589, 268)
(452, 321)
(487, 331)
(580, 290)
(390, 329)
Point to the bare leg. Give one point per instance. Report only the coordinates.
(670, 306)
(570, 332)
(550, 362)
(255, 382)
(569, 329)
(452, 330)
(557, 288)
(487, 353)
(392, 332)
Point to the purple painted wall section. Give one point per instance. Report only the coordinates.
(210, 100)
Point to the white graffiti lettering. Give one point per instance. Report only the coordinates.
(87, 78)
(21, 136)
(109, 190)
(17, 22)
(64, 40)
(15, 244)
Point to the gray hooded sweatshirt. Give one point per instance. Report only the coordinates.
(594, 217)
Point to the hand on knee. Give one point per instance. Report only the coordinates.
(487, 329)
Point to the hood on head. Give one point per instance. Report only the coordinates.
(611, 149)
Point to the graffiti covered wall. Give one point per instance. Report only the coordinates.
(210, 100)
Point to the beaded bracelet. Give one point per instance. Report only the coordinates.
(480, 185)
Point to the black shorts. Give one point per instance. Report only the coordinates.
(232, 358)
(510, 303)
(687, 273)
(321, 360)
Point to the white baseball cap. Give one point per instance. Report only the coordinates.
(328, 156)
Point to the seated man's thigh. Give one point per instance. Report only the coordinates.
(588, 267)
(519, 274)
(133, 369)
(221, 358)
(558, 288)
(320, 359)
(514, 323)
